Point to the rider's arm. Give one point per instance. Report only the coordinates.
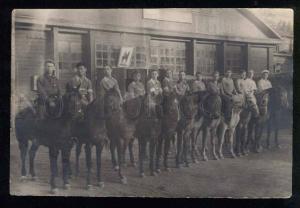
(90, 91)
(41, 89)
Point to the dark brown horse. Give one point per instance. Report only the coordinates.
(118, 132)
(54, 132)
(91, 131)
(211, 110)
(250, 109)
(188, 111)
(257, 124)
(169, 126)
(148, 130)
(278, 105)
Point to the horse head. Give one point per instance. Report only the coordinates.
(280, 97)
(263, 101)
(170, 103)
(187, 105)
(211, 106)
(73, 102)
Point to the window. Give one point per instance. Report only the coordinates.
(206, 58)
(258, 58)
(70, 53)
(168, 55)
(109, 54)
(234, 58)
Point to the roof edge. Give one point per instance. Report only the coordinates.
(259, 22)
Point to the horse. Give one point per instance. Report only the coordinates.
(53, 131)
(277, 105)
(185, 127)
(169, 126)
(211, 110)
(148, 130)
(229, 121)
(250, 109)
(257, 124)
(90, 130)
(120, 129)
(197, 124)
(131, 110)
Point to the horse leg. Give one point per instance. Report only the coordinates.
(213, 134)
(65, 157)
(276, 129)
(88, 160)
(120, 145)
(32, 152)
(151, 152)
(244, 134)
(161, 140)
(258, 134)
(221, 136)
(204, 141)
(166, 152)
(131, 155)
(124, 149)
(269, 129)
(112, 146)
(23, 146)
(230, 135)
(99, 148)
(186, 147)
(142, 147)
(53, 154)
(193, 145)
(250, 135)
(78, 151)
(179, 149)
(238, 140)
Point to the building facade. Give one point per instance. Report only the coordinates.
(189, 40)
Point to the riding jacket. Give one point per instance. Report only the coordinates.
(85, 88)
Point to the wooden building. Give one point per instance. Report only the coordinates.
(179, 39)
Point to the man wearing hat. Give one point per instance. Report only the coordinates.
(264, 83)
(47, 85)
(81, 82)
(168, 84)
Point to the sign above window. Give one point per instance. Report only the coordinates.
(125, 57)
(173, 15)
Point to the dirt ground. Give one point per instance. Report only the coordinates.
(267, 174)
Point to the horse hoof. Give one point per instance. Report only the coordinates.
(196, 161)
(100, 184)
(124, 180)
(23, 178)
(142, 175)
(116, 168)
(167, 169)
(205, 158)
(233, 155)
(33, 178)
(158, 171)
(67, 186)
(187, 165)
(54, 191)
(89, 187)
(153, 173)
(278, 146)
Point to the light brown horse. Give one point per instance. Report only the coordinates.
(228, 123)
(250, 109)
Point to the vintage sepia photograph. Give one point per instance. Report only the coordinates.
(170, 102)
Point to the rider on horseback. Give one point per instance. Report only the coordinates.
(136, 87)
(48, 86)
(81, 82)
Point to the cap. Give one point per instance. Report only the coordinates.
(265, 71)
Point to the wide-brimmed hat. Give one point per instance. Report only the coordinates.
(265, 71)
